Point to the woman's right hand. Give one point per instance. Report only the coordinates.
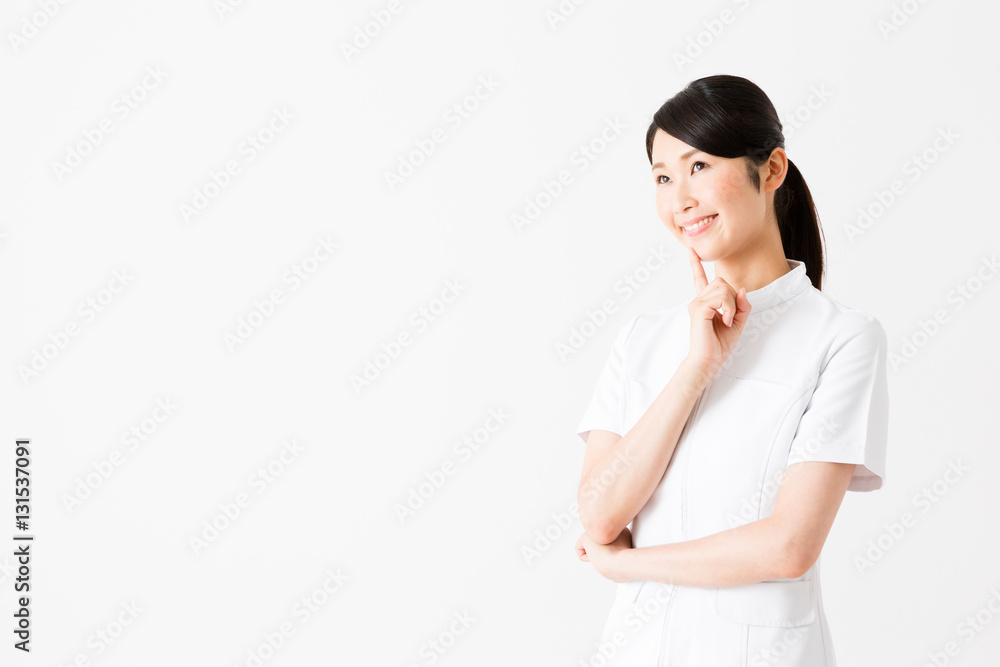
(714, 335)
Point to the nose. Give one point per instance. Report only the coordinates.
(683, 199)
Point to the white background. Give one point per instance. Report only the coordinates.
(857, 105)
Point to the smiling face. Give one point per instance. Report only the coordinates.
(693, 186)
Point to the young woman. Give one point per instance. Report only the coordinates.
(728, 429)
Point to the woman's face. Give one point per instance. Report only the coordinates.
(691, 185)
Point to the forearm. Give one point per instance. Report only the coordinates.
(618, 484)
(757, 551)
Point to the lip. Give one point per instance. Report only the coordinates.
(701, 229)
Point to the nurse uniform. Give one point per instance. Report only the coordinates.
(805, 382)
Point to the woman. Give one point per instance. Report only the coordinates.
(727, 430)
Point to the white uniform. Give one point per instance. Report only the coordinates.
(806, 382)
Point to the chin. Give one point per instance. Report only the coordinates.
(708, 256)
(707, 251)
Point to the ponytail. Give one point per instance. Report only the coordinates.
(798, 222)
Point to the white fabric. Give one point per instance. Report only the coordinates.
(805, 382)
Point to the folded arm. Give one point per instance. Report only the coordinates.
(783, 545)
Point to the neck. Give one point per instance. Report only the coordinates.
(752, 272)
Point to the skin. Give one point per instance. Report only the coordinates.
(743, 242)
(745, 245)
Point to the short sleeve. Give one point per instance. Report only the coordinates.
(846, 420)
(606, 410)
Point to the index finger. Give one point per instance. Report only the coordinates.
(700, 279)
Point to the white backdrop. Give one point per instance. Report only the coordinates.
(267, 279)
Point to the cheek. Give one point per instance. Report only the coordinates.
(727, 190)
(663, 204)
(734, 196)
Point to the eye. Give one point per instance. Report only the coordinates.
(697, 162)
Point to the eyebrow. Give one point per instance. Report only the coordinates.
(683, 157)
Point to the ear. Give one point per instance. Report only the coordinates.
(774, 171)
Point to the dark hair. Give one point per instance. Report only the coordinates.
(729, 116)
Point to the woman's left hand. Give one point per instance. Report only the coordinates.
(604, 557)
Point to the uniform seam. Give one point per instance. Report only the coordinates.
(628, 334)
(845, 309)
(745, 658)
(664, 634)
(754, 379)
(762, 477)
(823, 638)
(686, 464)
(625, 380)
(773, 305)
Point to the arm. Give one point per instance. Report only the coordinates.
(621, 473)
(783, 545)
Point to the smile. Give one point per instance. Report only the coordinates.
(699, 227)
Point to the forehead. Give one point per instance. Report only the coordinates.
(669, 150)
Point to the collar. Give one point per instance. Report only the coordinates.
(781, 289)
